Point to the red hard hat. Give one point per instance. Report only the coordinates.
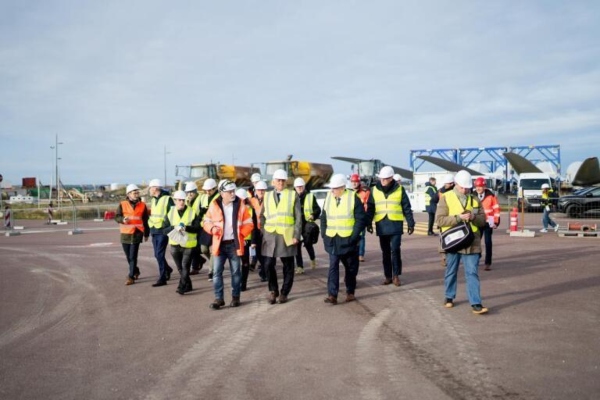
(480, 182)
(354, 178)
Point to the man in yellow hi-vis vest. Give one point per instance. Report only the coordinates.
(160, 205)
(281, 227)
(457, 206)
(342, 222)
(389, 207)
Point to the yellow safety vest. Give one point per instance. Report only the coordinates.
(308, 205)
(188, 216)
(456, 208)
(340, 217)
(390, 206)
(158, 212)
(196, 203)
(428, 196)
(279, 218)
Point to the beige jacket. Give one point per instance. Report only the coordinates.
(443, 219)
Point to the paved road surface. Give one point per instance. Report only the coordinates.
(71, 329)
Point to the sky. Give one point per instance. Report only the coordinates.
(132, 88)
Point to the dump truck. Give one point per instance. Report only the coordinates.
(200, 172)
(314, 174)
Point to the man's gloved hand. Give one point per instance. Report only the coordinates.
(411, 229)
(370, 228)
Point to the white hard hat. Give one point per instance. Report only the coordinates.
(190, 186)
(155, 183)
(545, 186)
(130, 188)
(255, 177)
(280, 174)
(209, 184)
(337, 180)
(397, 177)
(299, 182)
(260, 185)
(226, 186)
(241, 193)
(447, 179)
(386, 172)
(179, 195)
(464, 179)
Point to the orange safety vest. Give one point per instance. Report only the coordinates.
(491, 207)
(214, 217)
(257, 206)
(363, 194)
(135, 217)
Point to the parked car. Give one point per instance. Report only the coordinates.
(320, 195)
(582, 203)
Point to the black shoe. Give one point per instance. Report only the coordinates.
(218, 303)
(243, 288)
(479, 309)
(180, 291)
(159, 283)
(194, 271)
(235, 302)
(168, 273)
(430, 234)
(210, 276)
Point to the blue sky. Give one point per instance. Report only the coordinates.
(253, 81)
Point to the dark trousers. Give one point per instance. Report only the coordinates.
(197, 259)
(288, 274)
(131, 252)
(390, 252)
(350, 263)
(160, 242)
(245, 264)
(487, 238)
(183, 261)
(309, 249)
(430, 222)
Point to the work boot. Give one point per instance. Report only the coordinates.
(350, 297)
(386, 281)
(331, 300)
(129, 281)
(194, 271)
(396, 280)
(217, 304)
(313, 264)
(272, 298)
(235, 302)
(283, 299)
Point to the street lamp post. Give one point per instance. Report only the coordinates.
(165, 155)
(57, 177)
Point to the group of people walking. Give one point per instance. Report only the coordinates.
(255, 227)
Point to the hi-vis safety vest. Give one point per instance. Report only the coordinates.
(340, 217)
(428, 195)
(279, 218)
(390, 206)
(186, 218)
(308, 205)
(135, 217)
(158, 211)
(456, 208)
(195, 204)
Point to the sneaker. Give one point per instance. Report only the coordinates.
(449, 303)
(479, 309)
(299, 270)
(556, 228)
(210, 276)
(544, 230)
(313, 264)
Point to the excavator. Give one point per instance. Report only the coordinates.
(368, 169)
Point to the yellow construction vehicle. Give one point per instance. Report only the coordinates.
(200, 172)
(315, 175)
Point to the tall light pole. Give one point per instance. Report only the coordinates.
(165, 154)
(55, 147)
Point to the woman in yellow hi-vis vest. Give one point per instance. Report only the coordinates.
(281, 227)
(456, 206)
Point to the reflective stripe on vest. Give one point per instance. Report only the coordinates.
(308, 205)
(340, 217)
(390, 206)
(135, 217)
(428, 196)
(456, 208)
(279, 218)
(158, 212)
(186, 218)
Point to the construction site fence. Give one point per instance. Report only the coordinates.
(82, 212)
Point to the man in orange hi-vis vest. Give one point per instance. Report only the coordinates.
(491, 208)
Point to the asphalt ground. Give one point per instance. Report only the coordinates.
(71, 329)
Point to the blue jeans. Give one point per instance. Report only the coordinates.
(227, 252)
(470, 262)
(160, 242)
(361, 243)
(546, 220)
(350, 263)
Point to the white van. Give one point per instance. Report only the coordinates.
(530, 189)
